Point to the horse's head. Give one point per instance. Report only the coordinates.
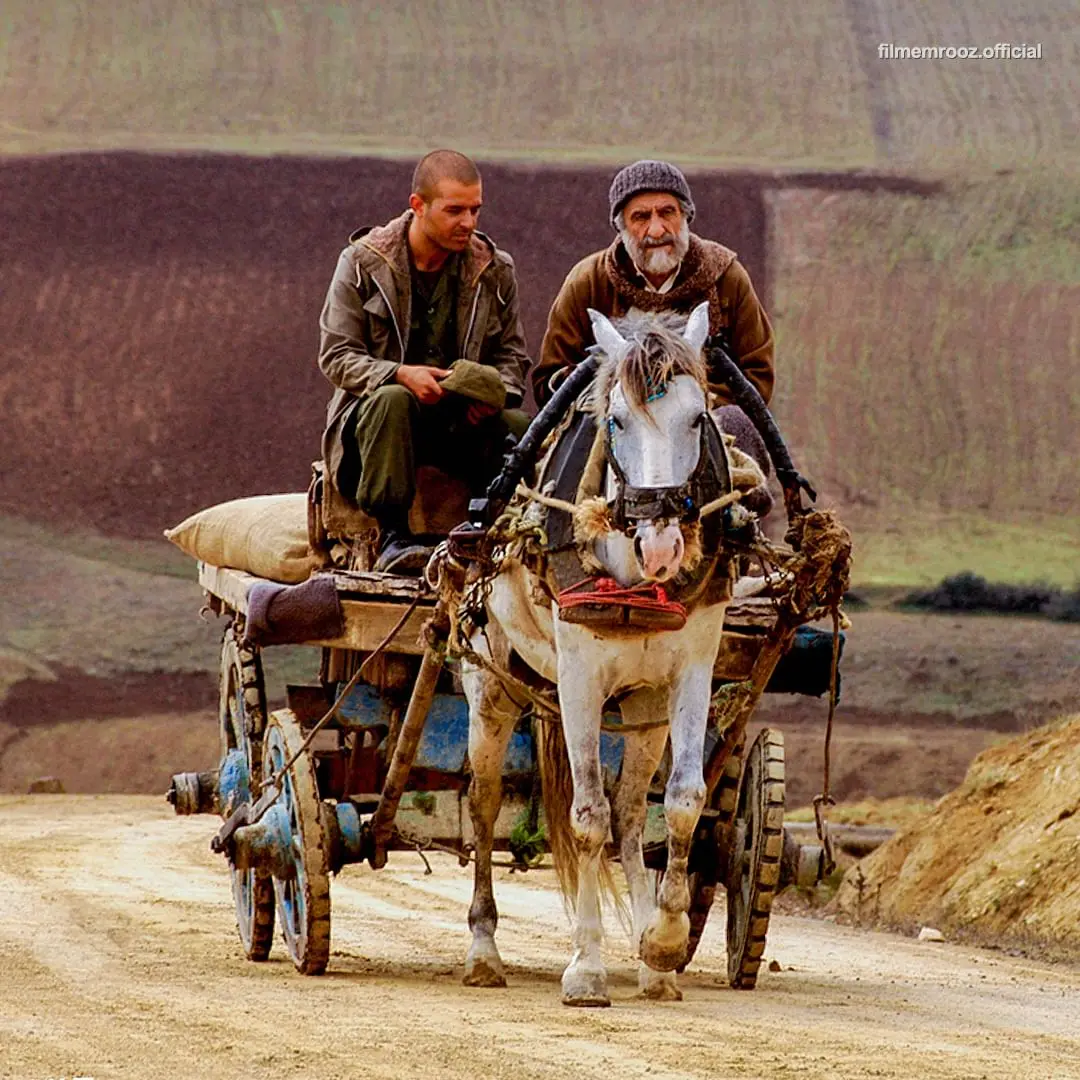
(661, 442)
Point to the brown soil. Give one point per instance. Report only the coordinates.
(119, 948)
(997, 859)
(183, 294)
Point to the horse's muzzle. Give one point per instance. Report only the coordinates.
(659, 550)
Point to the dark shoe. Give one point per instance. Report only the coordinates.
(400, 553)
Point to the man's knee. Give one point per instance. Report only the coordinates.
(516, 421)
(390, 404)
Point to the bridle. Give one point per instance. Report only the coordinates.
(711, 478)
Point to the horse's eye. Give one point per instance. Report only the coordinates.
(615, 422)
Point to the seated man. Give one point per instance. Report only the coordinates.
(656, 264)
(408, 300)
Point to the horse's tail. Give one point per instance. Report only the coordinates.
(557, 786)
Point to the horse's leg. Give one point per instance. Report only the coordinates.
(492, 716)
(663, 945)
(641, 756)
(584, 981)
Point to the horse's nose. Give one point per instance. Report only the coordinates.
(659, 551)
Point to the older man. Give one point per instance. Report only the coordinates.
(408, 300)
(657, 264)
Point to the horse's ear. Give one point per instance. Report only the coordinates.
(607, 337)
(697, 326)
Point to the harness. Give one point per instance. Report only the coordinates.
(682, 502)
(586, 597)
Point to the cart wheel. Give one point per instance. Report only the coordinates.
(242, 717)
(707, 860)
(757, 840)
(303, 899)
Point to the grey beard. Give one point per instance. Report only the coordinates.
(657, 260)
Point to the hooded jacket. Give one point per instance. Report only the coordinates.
(365, 320)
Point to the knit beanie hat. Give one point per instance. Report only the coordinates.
(648, 176)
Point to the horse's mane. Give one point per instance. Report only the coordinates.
(658, 353)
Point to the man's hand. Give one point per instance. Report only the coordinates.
(479, 411)
(421, 381)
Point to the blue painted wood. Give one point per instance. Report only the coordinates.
(445, 741)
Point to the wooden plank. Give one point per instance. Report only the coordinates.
(750, 612)
(736, 657)
(367, 622)
(227, 584)
(373, 583)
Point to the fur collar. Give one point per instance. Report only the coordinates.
(391, 243)
(701, 270)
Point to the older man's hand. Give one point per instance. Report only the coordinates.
(422, 381)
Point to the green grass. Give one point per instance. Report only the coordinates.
(143, 556)
(738, 83)
(920, 548)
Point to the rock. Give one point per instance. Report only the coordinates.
(774, 965)
(928, 933)
(45, 785)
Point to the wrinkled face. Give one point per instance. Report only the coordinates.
(449, 219)
(658, 448)
(655, 232)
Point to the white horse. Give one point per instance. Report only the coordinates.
(651, 402)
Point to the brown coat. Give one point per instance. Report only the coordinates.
(605, 281)
(365, 320)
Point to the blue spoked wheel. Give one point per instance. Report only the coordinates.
(242, 717)
(303, 895)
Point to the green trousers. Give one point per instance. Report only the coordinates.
(394, 433)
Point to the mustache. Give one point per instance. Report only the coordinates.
(663, 241)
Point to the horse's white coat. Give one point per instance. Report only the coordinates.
(657, 676)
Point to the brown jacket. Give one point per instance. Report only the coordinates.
(607, 282)
(366, 317)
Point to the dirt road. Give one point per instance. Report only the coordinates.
(119, 959)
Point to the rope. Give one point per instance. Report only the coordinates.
(342, 695)
(547, 500)
(572, 508)
(648, 596)
(825, 799)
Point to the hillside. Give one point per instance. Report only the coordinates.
(1016, 811)
(741, 83)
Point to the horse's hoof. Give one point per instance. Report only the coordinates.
(664, 955)
(484, 968)
(585, 989)
(658, 987)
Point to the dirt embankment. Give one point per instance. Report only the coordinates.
(997, 859)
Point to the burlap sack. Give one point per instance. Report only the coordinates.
(477, 381)
(266, 535)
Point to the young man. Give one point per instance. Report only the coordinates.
(657, 264)
(409, 299)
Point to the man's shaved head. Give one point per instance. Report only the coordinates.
(442, 165)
